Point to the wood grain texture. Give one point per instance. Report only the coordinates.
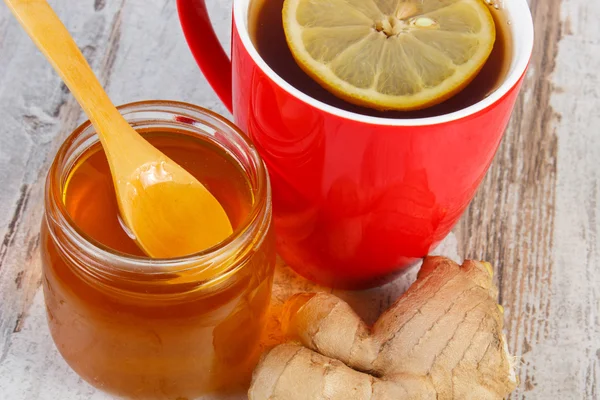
(536, 216)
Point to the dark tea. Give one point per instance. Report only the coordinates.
(266, 31)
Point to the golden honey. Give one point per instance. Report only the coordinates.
(158, 329)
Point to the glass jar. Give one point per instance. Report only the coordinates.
(145, 328)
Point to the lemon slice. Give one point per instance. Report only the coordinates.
(390, 54)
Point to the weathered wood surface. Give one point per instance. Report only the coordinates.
(536, 217)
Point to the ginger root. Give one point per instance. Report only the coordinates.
(441, 340)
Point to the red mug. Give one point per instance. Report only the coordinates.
(356, 198)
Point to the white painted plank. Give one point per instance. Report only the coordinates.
(564, 361)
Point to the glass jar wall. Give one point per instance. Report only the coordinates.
(158, 329)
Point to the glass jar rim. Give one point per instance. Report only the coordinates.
(258, 217)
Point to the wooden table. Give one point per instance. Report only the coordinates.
(536, 217)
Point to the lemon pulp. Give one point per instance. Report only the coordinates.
(390, 54)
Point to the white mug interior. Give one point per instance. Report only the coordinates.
(522, 34)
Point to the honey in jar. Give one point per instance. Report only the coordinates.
(144, 328)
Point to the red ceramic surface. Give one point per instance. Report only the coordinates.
(356, 199)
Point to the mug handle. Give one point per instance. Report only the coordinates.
(205, 46)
